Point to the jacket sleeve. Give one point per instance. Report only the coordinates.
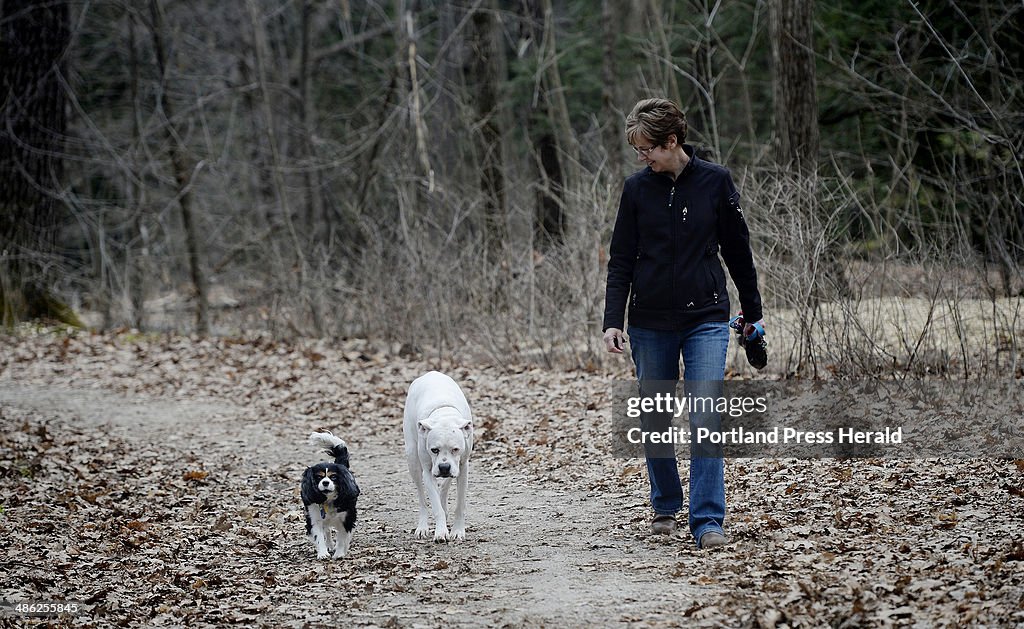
(621, 260)
(734, 239)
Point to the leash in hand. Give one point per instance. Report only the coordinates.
(755, 345)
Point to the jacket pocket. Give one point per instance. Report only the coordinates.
(634, 286)
(713, 289)
(652, 286)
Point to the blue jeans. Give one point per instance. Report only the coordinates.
(656, 355)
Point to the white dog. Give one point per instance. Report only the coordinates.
(438, 442)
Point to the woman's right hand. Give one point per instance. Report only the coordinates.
(614, 340)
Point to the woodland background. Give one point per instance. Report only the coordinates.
(443, 176)
(280, 212)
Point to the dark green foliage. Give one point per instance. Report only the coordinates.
(935, 92)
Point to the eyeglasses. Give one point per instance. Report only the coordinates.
(645, 151)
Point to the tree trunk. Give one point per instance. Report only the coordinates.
(611, 129)
(554, 142)
(449, 71)
(794, 84)
(484, 74)
(260, 53)
(794, 87)
(550, 224)
(33, 40)
(703, 73)
(138, 250)
(182, 175)
(311, 175)
(659, 34)
(559, 107)
(416, 116)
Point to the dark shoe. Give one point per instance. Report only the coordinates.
(711, 539)
(663, 524)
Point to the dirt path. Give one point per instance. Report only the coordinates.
(155, 479)
(534, 556)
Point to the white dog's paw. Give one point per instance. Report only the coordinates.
(422, 531)
(441, 534)
(458, 534)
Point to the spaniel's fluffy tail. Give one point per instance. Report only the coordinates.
(332, 445)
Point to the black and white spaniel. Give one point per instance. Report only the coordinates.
(329, 493)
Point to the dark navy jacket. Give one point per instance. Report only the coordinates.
(664, 251)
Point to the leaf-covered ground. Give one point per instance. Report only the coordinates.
(154, 480)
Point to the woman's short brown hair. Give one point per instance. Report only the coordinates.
(656, 119)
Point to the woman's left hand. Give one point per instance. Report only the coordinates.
(614, 340)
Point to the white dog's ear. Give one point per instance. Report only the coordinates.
(467, 427)
(423, 426)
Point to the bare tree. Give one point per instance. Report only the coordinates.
(794, 83)
(610, 126)
(407, 170)
(299, 262)
(659, 31)
(33, 41)
(312, 177)
(138, 250)
(183, 172)
(555, 143)
(484, 74)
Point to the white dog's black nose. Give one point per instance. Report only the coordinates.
(444, 469)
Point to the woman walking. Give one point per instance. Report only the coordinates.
(675, 217)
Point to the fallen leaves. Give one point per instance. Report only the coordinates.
(1016, 552)
(149, 538)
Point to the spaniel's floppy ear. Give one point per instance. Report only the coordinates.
(310, 492)
(347, 485)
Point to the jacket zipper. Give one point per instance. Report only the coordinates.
(671, 198)
(636, 262)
